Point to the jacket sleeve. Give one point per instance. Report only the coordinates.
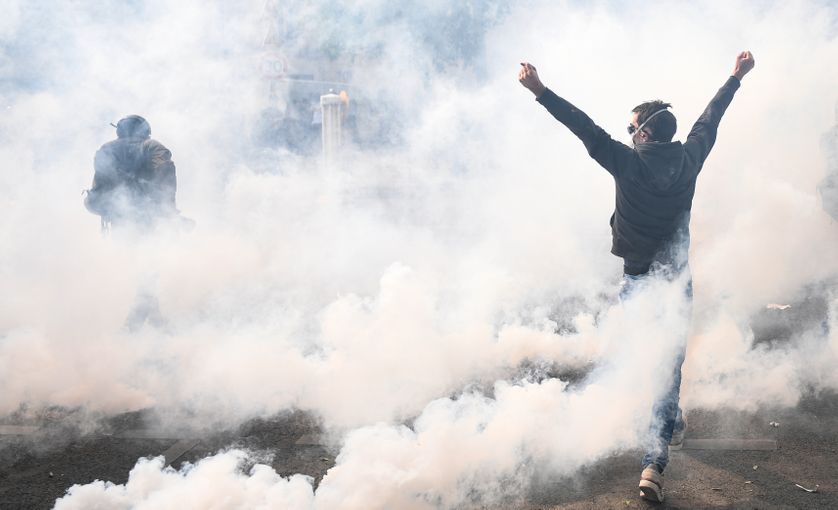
(95, 199)
(104, 177)
(609, 153)
(164, 176)
(703, 134)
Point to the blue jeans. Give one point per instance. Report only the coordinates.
(665, 411)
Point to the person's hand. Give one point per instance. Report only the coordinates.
(528, 77)
(744, 63)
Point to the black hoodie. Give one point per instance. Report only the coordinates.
(655, 181)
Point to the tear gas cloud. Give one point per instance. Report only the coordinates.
(446, 255)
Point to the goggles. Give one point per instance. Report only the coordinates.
(632, 129)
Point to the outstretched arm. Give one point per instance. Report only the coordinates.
(609, 153)
(702, 137)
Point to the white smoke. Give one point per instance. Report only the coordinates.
(458, 452)
(296, 291)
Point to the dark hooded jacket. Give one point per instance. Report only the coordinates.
(655, 181)
(134, 181)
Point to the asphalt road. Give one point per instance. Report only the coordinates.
(37, 468)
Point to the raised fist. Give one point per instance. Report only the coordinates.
(744, 63)
(528, 77)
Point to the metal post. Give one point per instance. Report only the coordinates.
(331, 106)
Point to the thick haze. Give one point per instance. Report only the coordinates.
(372, 293)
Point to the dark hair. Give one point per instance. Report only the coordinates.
(662, 128)
(133, 125)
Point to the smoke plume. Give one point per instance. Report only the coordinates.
(462, 236)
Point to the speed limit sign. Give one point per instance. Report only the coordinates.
(274, 65)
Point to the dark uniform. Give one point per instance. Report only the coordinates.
(134, 180)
